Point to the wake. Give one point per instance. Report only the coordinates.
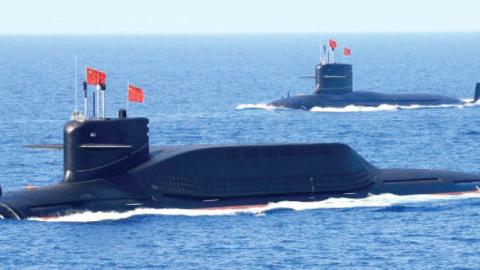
(379, 201)
(354, 108)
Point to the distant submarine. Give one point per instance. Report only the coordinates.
(109, 165)
(334, 88)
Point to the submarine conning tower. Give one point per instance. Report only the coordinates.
(97, 148)
(333, 78)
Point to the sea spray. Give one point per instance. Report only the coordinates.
(380, 201)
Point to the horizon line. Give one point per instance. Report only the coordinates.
(233, 33)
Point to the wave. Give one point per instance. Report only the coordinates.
(354, 108)
(379, 201)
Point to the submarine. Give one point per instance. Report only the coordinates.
(334, 88)
(109, 165)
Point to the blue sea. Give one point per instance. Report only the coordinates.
(202, 89)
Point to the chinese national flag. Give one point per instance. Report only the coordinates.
(96, 77)
(135, 94)
(332, 43)
(346, 52)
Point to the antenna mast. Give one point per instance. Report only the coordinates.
(76, 114)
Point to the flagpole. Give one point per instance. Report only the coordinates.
(94, 103)
(324, 55)
(97, 100)
(333, 55)
(128, 83)
(103, 101)
(85, 100)
(327, 55)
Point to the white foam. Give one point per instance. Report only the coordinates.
(383, 200)
(390, 107)
(354, 108)
(263, 106)
(468, 102)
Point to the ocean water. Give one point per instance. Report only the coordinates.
(213, 89)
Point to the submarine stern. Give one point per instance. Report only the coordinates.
(424, 181)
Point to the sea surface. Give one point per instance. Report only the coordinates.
(202, 89)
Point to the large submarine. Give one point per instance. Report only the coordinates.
(109, 165)
(334, 88)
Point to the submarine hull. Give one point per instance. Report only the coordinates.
(232, 177)
(363, 99)
(334, 88)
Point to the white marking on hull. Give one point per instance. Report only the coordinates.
(212, 200)
(134, 204)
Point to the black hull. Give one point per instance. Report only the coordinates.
(363, 99)
(334, 170)
(13, 209)
(109, 166)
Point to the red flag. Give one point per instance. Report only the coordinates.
(135, 94)
(95, 77)
(346, 52)
(332, 43)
